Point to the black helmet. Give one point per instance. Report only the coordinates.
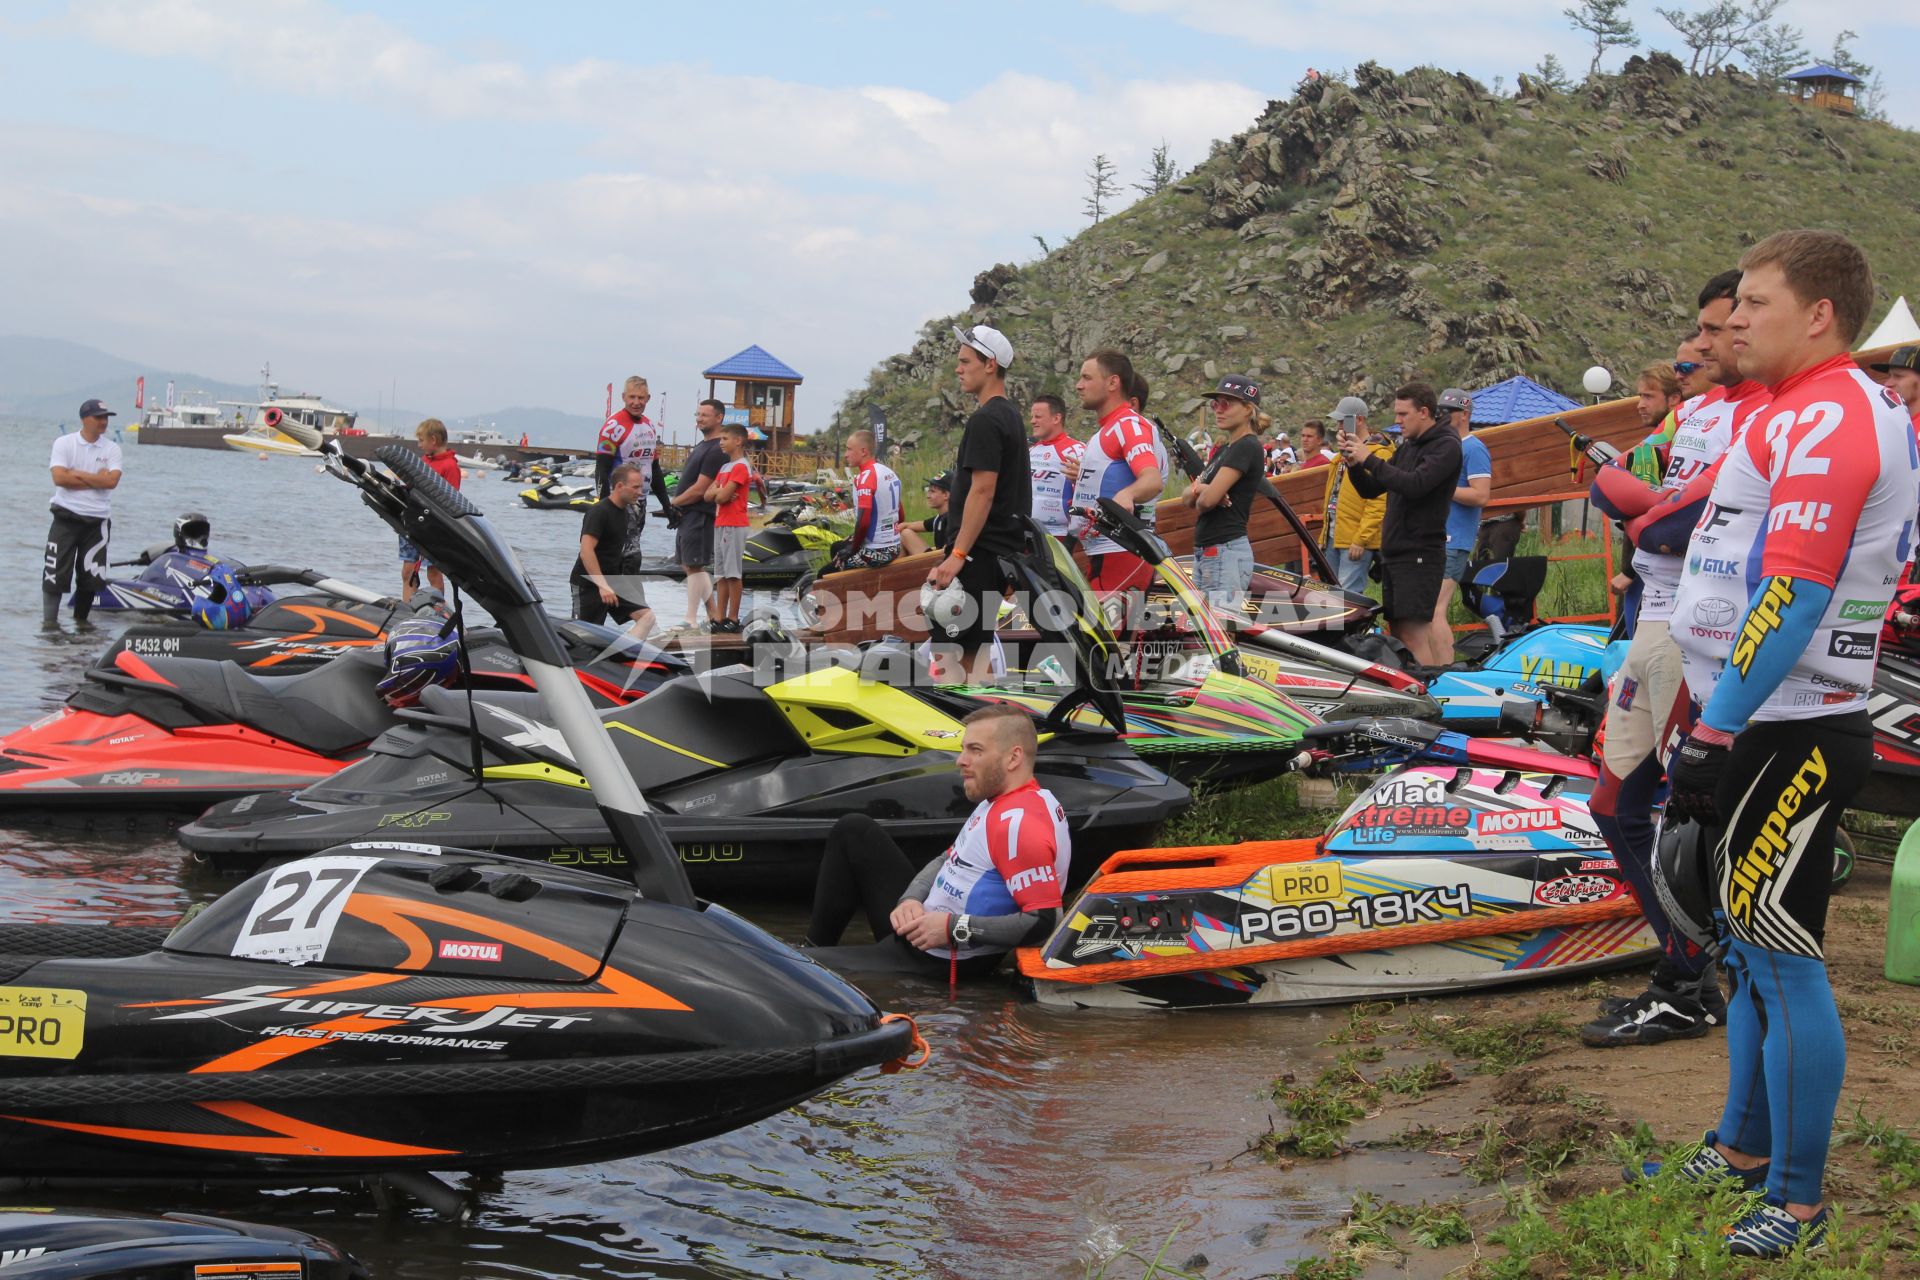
(191, 531)
(1687, 883)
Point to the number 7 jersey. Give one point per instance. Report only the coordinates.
(1011, 856)
(1822, 485)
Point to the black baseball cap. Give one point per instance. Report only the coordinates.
(942, 481)
(1902, 358)
(96, 409)
(1239, 388)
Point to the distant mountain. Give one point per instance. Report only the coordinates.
(44, 380)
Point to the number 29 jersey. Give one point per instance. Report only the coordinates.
(1822, 486)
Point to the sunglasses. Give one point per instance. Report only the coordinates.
(1685, 367)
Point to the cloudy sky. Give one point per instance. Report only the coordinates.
(498, 203)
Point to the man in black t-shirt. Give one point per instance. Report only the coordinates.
(603, 584)
(693, 545)
(938, 527)
(992, 489)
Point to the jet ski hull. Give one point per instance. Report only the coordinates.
(382, 1008)
(1438, 878)
(176, 736)
(728, 849)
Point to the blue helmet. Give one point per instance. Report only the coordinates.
(219, 602)
(420, 653)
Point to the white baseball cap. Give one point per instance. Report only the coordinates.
(988, 341)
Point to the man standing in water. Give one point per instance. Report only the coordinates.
(992, 488)
(86, 471)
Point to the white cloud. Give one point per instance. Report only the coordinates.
(714, 210)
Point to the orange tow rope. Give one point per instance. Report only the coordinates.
(1034, 965)
(914, 1058)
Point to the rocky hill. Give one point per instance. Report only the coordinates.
(1382, 226)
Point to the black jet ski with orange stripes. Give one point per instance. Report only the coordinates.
(392, 1008)
(381, 1006)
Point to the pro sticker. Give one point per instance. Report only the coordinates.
(42, 1022)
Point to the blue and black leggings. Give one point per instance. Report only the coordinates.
(1785, 787)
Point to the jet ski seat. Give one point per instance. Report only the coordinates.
(329, 710)
(700, 725)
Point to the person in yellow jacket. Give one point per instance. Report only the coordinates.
(1351, 533)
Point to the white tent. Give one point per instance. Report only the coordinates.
(1897, 328)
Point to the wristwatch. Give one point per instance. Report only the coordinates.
(961, 929)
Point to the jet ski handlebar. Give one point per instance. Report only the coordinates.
(434, 516)
(451, 531)
(1371, 742)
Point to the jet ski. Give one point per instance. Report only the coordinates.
(1198, 717)
(1440, 877)
(172, 735)
(777, 555)
(746, 781)
(406, 1007)
(748, 771)
(561, 493)
(292, 631)
(167, 574)
(74, 1244)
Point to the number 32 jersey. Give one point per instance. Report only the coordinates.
(1010, 857)
(1822, 486)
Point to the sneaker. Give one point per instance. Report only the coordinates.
(1672, 981)
(1651, 1017)
(1769, 1231)
(1702, 1164)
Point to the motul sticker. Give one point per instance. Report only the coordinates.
(248, 1270)
(1572, 891)
(1514, 821)
(456, 949)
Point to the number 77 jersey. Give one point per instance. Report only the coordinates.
(1822, 486)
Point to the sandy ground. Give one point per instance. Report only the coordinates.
(1677, 1089)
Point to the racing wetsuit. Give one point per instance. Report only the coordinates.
(1809, 525)
(1123, 449)
(1050, 490)
(875, 540)
(1648, 710)
(1004, 874)
(623, 439)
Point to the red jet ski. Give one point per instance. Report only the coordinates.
(179, 734)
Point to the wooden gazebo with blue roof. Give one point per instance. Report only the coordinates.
(1516, 400)
(1823, 86)
(763, 386)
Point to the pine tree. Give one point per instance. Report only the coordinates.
(1720, 30)
(1775, 50)
(1159, 174)
(1552, 75)
(1101, 188)
(1610, 29)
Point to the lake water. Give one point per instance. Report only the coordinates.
(1034, 1142)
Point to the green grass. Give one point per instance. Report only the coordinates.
(1268, 810)
(1498, 1047)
